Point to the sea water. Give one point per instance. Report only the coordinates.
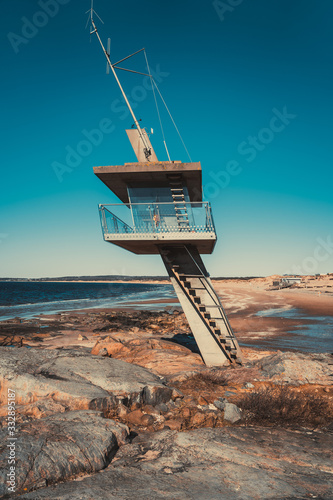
(313, 334)
(28, 299)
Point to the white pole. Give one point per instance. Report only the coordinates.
(122, 90)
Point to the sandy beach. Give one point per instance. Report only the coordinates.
(261, 317)
(252, 306)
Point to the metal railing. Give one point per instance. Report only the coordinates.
(147, 218)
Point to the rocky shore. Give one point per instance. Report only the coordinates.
(115, 404)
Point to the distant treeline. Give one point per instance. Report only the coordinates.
(91, 278)
(115, 278)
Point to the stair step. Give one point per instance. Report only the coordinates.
(197, 300)
(207, 315)
(202, 308)
(187, 284)
(192, 276)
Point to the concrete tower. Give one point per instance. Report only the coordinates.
(162, 212)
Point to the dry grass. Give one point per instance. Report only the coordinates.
(205, 381)
(283, 405)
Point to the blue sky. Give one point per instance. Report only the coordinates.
(249, 86)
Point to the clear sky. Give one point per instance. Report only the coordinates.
(249, 84)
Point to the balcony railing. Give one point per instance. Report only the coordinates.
(133, 220)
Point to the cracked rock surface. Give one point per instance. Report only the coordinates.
(75, 379)
(231, 463)
(61, 446)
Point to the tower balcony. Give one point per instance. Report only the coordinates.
(142, 227)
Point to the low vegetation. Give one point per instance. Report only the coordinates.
(286, 406)
(204, 381)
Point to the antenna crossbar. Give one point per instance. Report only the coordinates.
(121, 60)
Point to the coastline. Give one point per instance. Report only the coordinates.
(261, 318)
(88, 379)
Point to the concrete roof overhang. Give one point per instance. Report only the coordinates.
(118, 177)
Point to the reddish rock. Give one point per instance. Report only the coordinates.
(173, 424)
(160, 356)
(112, 347)
(186, 412)
(151, 410)
(198, 419)
(177, 394)
(135, 417)
(210, 420)
(202, 401)
(147, 420)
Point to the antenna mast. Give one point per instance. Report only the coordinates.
(147, 149)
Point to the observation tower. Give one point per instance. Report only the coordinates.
(162, 212)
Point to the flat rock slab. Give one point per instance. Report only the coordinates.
(231, 463)
(298, 368)
(162, 357)
(60, 447)
(76, 380)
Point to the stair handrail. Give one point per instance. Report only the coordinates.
(102, 209)
(225, 352)
(225, 318)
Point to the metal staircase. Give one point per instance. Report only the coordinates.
(178, 196)
(201, 304)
